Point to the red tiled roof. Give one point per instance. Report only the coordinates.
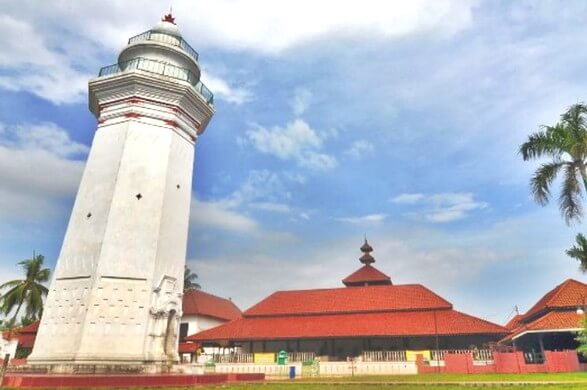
(349, 300)
(198, 302)
(25, 335)
(556, 320)
(551, 321)
(188, 347)
(366, 274)
(568, 294)
(403, 323)
(514, 322)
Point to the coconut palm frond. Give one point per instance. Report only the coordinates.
(570, 196)
(542, 180)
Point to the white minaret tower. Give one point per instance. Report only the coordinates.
(116, 294)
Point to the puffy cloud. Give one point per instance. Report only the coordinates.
(448, 207)
(359, 149)
(59, 58)
(223, 90)
(30, 157)
(261, 190)
(35, 67)
(301, 101)
(220, 215)
(407, 198)
(47, 137)
(272, 207)
(365, 219)
(285, 24)
(295, 141)
(57, 63)
(443, 207)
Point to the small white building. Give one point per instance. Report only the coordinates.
(202, 311)
(7, 347)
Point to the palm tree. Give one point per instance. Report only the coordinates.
(189, 279)
(28, 292)
(565, 145)
(579, 251)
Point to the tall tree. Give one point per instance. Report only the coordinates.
(27, 292)
(565, 145)
(189, 279)
(579, 251)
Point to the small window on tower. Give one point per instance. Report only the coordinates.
(139, 196)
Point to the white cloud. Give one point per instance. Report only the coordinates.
(261, 190)
(36, 173)
(272, 207)
(295, 141)
(36, 68)
(301, 101)
(359, 149)
(365, 219)
(45, 136)
(450, 207)
(264, 186)
(219, 215)
(274, 26)
(319, 161)
(443, 207)
(223, 90)
(261, 25)
(285, 142)
(54, 51)
(407, 198)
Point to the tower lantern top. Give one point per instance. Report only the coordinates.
(167, 26)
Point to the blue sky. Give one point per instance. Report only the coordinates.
(334, 120)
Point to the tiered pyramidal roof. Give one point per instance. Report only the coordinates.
(369, 305)
(367, 275)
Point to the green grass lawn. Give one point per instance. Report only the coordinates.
(427, 378)
(357, 386)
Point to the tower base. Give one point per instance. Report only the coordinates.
(86, 368)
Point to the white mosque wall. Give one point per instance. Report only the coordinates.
(198, 323)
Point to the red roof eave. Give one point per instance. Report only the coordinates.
(390, 324)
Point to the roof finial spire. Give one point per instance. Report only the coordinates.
(366, 249)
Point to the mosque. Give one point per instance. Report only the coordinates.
(369, 313)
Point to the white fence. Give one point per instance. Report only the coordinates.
(300, 356)
(322, 369)
(233, 358)
(384, 356)
(478, 354)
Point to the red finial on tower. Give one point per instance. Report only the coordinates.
(168, 18)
